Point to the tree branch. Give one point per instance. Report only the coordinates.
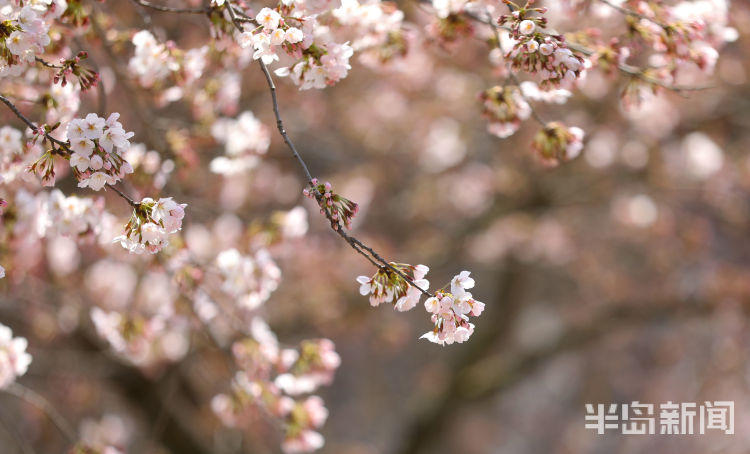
(169, 9)
(356, 244)
(36, 399)
(622, 67)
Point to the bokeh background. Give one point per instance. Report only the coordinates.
(621, 276)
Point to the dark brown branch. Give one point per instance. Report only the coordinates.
(356, 244)
(44, 62)
(121, 194)
(33, 126)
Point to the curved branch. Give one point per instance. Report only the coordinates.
(356, 244)
(36, 399)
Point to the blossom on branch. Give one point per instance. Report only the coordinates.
(336, 208)
(151, 224)
(556, 143)
(97, 146)
(451, 311)
(505, 108)
(387, 286)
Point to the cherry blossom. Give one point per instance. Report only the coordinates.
(209, 290)
(14, 361)
(451, 311)
(97, 147)
(151, 224)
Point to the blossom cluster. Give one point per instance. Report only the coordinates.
(336, 208)
(537, 51)
(106, 436)
(249, 280)
(290, 27)
(151, 61)
(97, 146)
(388, 286)
(23, 36)
(274, 31)
(66, 215)
(378, 26)
(245, 140)
(51, 214)
(86, 77)
(142, 339)
(154, 63)
(150, 225)
(317, 72)
(449, 311)
(556, 143)
(505, 108)
(14, 361)
(278, 381)
(12, 162)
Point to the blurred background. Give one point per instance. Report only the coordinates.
(620, 276)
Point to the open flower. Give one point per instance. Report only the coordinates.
(387, 286)
(14, 361)
(450, 312)
(151, 224)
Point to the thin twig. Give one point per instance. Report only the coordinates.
(63, 145)
(37, 400)
(44, 62)
(31, 124)
(356, 244)
(121, 194)
(630, 12)
(170, 9)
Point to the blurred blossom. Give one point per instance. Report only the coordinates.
(472, 189)
(111, 283)
(244, 140)
(63, 256)
(234, 191)
(295, 223)
(655, 116)
(601, 149)
(111, 430)
(156, 293)
(637, 210)
(443, 146)
(227, 230)
(634, 154)
(199, 240)
(703, 157)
